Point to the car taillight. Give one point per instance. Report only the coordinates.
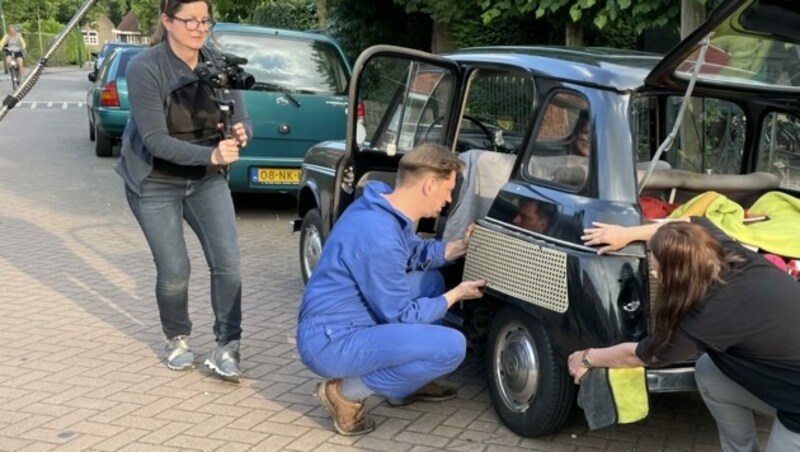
(109, 96)
(361, 112)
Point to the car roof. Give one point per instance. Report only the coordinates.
(256, 29)
(621, 70)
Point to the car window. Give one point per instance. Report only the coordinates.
(764, 58)
(122, 65)
(711, 138)
(302, 65)
(779, 148)
(562, 147)
(405, 103)
(498, 110)
(642, 121)
(102, 73)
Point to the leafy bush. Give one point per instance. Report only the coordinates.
(72, 50)
(287, 14)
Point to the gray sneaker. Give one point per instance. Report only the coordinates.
(224, 361)
(179, 354)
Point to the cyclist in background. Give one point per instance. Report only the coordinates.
(13, 46)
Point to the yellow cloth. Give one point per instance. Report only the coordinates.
(779, 235)
(629, 387)
(695, 207)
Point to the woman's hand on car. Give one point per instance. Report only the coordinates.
(612, 236)
(225, 153)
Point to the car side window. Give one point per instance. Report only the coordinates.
(405, 103)
(711, 137)
(562, 146)
(779, 148)
(498, 110)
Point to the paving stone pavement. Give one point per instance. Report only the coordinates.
(80, 361)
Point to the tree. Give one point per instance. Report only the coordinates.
(235, 10)
(147, 12)
(444, 14)
(358, 24)
(575, 14)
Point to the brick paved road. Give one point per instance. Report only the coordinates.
(80, 361)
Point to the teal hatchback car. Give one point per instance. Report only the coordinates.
(299, 99)
(107, 103)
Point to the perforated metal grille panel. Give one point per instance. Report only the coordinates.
(518, 268)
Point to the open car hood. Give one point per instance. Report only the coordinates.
(754, 47)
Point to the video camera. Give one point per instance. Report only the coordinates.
(225, 73)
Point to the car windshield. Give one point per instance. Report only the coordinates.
(753, 49)
(300, 65)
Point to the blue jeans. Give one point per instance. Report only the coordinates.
(393, 360)
(207, 207)
(732, 407)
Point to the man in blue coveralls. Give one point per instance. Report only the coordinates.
(369, 317)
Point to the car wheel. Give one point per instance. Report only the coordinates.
(103, 144)
(91, 131)
(310, 243)
(530, 386)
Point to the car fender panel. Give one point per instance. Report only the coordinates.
(518, 268)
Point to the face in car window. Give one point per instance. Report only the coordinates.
(581, 145)
(563, 141)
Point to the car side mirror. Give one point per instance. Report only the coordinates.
(94, 55)
(92, 77)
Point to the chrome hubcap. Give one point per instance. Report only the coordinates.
(311, 250)
(516, 367)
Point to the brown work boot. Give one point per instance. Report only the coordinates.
(348, 416)
(431, 392)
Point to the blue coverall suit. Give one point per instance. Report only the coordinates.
(370, 306)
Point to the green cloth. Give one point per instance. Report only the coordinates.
(613, 396)
(779, 235)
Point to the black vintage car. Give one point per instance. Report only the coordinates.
(553, 140)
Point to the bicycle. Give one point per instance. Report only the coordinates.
(13, 66)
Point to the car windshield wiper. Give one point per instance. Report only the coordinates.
(263, 86)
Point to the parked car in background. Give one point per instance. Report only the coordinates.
(554, 139)
(299, 99)
(107, 104)
(107, 49)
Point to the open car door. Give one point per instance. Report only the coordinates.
(398, 99)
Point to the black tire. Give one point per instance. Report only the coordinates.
(14, 71)
(91, 131)
(311, 241)
(103, 144)
(532, 402)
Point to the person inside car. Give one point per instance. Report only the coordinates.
(370, 316)
(729, 303)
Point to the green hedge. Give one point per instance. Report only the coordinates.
(287, 14)
(72, 50)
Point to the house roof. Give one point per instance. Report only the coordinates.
(129, 23)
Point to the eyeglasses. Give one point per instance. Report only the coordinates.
(194, 24)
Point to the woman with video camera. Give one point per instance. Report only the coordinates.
(174, 159)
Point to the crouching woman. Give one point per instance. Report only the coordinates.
(732, 305)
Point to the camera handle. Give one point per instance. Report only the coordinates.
(227, 109)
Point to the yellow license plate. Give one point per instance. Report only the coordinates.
(275, 176)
